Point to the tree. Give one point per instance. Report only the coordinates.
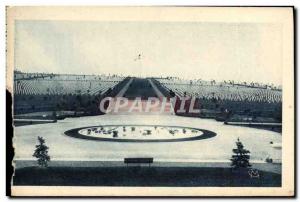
(115, 133)
(54, 116)
(41, 153)
(241, 156)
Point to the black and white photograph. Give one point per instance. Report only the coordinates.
(151, 101)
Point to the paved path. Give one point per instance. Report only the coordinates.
(269, 167)
(156, 90)
(218, 148)
(124, 89)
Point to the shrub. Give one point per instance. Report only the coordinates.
(41, 153)
(241, 156)
(115, 133)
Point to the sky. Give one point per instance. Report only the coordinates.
(250, 52)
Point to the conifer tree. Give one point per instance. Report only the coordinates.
(241, 156)
(41, 153)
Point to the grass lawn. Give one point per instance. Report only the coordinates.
(142, 176)
(140, 88)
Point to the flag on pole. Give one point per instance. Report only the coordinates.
(138, 57)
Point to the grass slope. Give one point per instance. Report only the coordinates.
(142, 176)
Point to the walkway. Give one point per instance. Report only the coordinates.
(156, 90)
(124, 89)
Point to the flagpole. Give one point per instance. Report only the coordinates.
(140, 61)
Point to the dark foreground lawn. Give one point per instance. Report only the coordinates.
(141, 176)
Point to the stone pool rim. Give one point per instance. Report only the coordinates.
(206, 134)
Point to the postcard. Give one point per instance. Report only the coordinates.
(151, 101)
